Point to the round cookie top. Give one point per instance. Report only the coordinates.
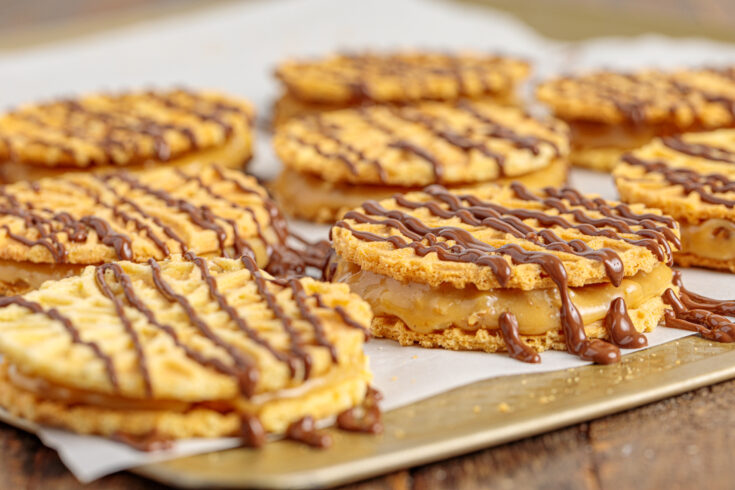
(400, 77)
(186, 329)
(682, 98)
(121, 129)
(422, 144)
(504, 237)
(691, 176)
(90, 218)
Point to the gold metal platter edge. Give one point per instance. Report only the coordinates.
(476, 416)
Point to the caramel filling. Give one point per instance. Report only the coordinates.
(591, 135)
(425, 309)
(233, 154)
(309, 195)
(712, 239)
(30, 276)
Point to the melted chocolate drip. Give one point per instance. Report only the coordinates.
(620, 327)
(366, 418)
(517, 349)
(692, 311)
(304, 430)
(252, 431)
(147, 443)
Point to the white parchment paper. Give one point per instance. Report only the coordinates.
(234, 48)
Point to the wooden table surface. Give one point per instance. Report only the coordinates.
(683, 442)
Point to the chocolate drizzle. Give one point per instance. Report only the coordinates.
(366, 418)
(454, 244)
(707, 186)
(620, 328)
(304, 430)
(112, 192)
(691, 311)
(517, 349)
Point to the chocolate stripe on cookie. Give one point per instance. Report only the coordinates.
(707, 152)
(707, 186)
(136, 302)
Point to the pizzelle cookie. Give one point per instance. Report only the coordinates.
(183, 348)
(505, 269)
(345, 80)
(692, 178)
(133, 130)
(610, 113)
(337, 160)
(52, 228)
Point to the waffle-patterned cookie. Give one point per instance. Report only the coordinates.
(502, 250)
(400, 77)
(155, 127)
(683, 98)
(692, 178)
(611, 113)
(419, 145)
(186, 347)
(84, 218)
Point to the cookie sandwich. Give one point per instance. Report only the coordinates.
(54, 227)
(507, 269)
(335, 161)
(186, 347)
(347, 80)
(692, 178)
(611, 113)
(133, 130)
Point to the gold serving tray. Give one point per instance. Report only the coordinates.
(476, 416)
(483, 414)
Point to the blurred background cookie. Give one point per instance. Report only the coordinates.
(131, 130)
(692, 178)
(337, 160)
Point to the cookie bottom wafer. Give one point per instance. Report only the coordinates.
(306, 197)
(321, 398)
(644, 318)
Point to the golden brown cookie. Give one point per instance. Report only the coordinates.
(52, 228)
(400, 77)
(692, 178)
(505, 268)
(134, 130)
(186, 347)
(461, 144)
(610, 113)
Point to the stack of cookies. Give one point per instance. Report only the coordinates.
(399, 122)
(610, 113)
(348, 80)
